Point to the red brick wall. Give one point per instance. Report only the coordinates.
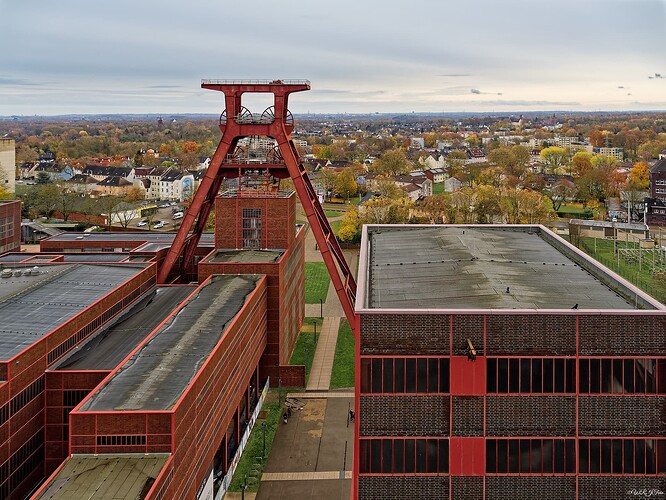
(10, 231)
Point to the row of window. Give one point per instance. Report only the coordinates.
(531, 456)
(124, 440)
(66, 345)
(21, 399)
(21, 463)
(404, 375)
(404, 456)
(519, 375)
(558, 456)
(251, 223)
(535, 375)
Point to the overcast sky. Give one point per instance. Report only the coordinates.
(149, 56)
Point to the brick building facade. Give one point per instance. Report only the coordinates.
(10, 225)
(500, 362)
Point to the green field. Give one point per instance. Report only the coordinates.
(316, 282)
(438, 188)
(343, 363)
(633, 265)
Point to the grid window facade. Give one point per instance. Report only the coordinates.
(622, 376)
(424, 375)
(531, 375)
(622, 456)
(251, 228)
(531, 456)
(404, 456)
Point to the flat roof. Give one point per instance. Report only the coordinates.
(157, 375)
(67, 257)
(106, 477)
(32, 306)
(485, 267)
(239, 255)
(120, 236)
(111, 343)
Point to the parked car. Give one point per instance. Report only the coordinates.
(142, 222)
(178, 215)
(159, 224)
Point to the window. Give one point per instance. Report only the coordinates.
(622, 376)
(531, 456)
(404, 456)
(424, 375)
(530, 375)
(622, 456)
(251, 227)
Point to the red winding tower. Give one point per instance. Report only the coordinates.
(230, 161)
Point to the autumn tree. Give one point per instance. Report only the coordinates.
(345, 183)
(512, 160)
(639, 175)
(47, 199)
(596, 138)
(380, 210)
(435, 208)
(560, 192)
(581, 163)
(393, 162)
(326, 178)
(134, 194)
(554, 159)
(350, 227)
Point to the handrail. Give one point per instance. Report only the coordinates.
(255, 82)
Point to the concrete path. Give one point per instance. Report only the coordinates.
(322, 363)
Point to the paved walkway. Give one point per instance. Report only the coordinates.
(306, 476)
(322, 363)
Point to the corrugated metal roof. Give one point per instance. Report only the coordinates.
(32, 306)
(106, 477)
(158, 374)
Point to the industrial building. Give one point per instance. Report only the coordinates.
(501, 362)
(134, 364)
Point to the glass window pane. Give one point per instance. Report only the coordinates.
(629, 376)
(491, 375)
(399, 377)
(410, 463)
(628, 456)
(548, 375)
(661, 456)
(639, 453)
(606, 448)
(650, 456)
(432, 455)
(559, 375)
(595, 456)
(524, 455)
(388, 375)
(376, 455)
(639, 376)
(433, 375)
(376, 375)
(617, 456)
(443, 455)
(537, 376)
(584, 376)
(571, 375)
(387, 455)
(365, 375)
(444, 375)
(547, 456)
(536, 456)
(514, 375)
(422, 375)
(502, 454)
(618, 379)
(398, 456)
(570, 456)
(661, 376)
(525, 375)
(365, 455)
(491, 452)
(410, 375)
(606, 382)
(583, 456)
(595, 376)
(421, 455)
(502, 375)
(514, 456)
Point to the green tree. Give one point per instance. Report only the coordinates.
(554, 159)
(43, 178)
(345, 183)
(393, 162)
(48, 198)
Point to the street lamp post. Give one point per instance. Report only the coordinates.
(263, 428)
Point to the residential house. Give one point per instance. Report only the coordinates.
(656, 204)
(452, 184)
(114, 186)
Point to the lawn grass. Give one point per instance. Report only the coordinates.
(334, 213)
(438, 188)
(316, 282)
(343, 363)
(335, 226)
(249, 465)
(641, 276)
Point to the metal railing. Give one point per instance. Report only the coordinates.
(255, 82)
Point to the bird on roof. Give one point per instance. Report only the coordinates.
(575, 306)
